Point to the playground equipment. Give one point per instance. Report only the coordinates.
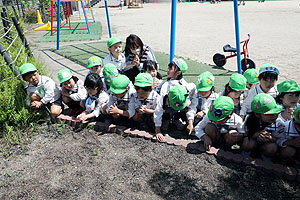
(135, 4)
(68, 20)
(246, 63)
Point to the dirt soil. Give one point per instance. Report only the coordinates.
(63, 164)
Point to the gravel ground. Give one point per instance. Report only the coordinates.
(87, 166)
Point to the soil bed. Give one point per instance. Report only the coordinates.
(86, 165)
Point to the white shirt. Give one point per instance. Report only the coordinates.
(78, 93)
(119, 62)
(204, 103)
(93, 104)
(151, 102)
(46, 89)
(246, 105)
(285, 119)
(122, 102)
(192, 91)
(290, 133)
(235, 122)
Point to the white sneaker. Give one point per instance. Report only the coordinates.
(179, 124)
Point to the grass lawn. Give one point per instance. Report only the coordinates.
(75, 35)
(81, 53)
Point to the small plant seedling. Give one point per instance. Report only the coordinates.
(96, 152)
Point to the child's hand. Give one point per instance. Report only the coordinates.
(264, 136)
(36, 104)
(207, 142)
(288, 113)
(65, 92)
(143, 109)
(136, 61)
(160, 137)
(114, 109)
(200, 114)
(190, 127)
(82, 117)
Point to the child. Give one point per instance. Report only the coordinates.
(263, 127)
(136, 53)
(251, 76)
(268, 75)
(146, 100)
(42, 90)
(206, 95)
(289, 92)
(290, 144)
(220, 123)
(115, 55)
(175, 77)
(96, 100)
(171, 104)
(110, 71)
(95, 65)
(151, 67)
(234, 89)
(121, 100)
(73, 90)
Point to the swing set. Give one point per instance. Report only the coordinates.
(66, 24)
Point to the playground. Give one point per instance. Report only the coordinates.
(62, 164)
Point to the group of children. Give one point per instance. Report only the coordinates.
(126, 89)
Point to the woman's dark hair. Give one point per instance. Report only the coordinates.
(146, 89)
(149, 65)
(132, 42)
(268, 76)
(74, 78)
(279, 97)
(92, 81)
(253, 124)
(170, 65)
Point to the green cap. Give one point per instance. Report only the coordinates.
(251, 75)
(221, 108)
(119, 84)
(178, 97)
(205, 81)
(297, 115)
(265, 104)
(110, 71)
(64, 75)
(113, 40)
(94, 61)
(288, 86)
(143, 80)
(268, 68)
(27, 67)
(238, 82)
(181, 64)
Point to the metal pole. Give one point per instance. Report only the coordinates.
(58, 24)
(107, 17)
(237, 35)
(21, 34)
(173, 28)
(86, 19)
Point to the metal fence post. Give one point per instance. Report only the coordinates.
(8, 60)
(21, 34)
(5, 24)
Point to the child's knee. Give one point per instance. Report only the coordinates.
(269, 149)
(56, 110)
(66, 100)
(137, 117)
(287, 152)
(211, 131)
(34, 97)
(233, 137)
(248, 144)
